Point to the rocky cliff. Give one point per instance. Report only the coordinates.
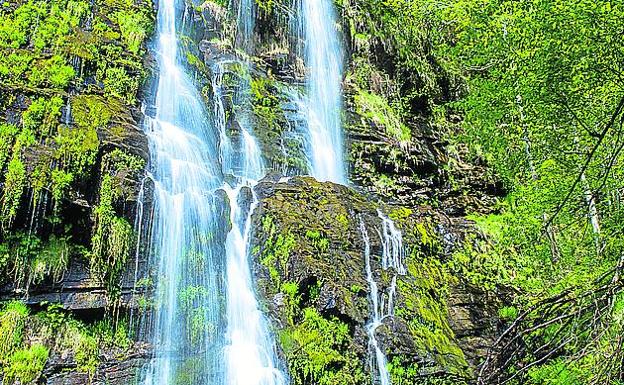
(73, 159)
(72, 156)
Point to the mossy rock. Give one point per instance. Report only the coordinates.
(310, 266)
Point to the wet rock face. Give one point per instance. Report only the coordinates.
(61, 370)
(308, 250)
(81, 174)
(79, 291)
(418, 169)
(474, 319)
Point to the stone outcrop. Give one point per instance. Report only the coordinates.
(123, 369)
(308, 247)
(309, 254)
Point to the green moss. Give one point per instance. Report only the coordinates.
(267, 7)
(191, 371)
(12, 322)
(319, 348)
(422, 295)
(276, 252)
(42, 115)
(318, 241)
(400, 214)
(53, 73)
(51, 260)
(135, 26)
(8, 133)
(92, 111)
(31, 259)
(63, 334)
(191, 299)
(377, 109)
(405, 372)
(314, 349)
(44, 157)
(113, 237)
(283, 148)
(55, 329)
(86, 350)
(425, 309)
(508, 313)
(25, 365)
(14, 184)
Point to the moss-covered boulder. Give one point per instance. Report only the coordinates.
(309, 253)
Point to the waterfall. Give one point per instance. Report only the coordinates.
(323, 60)
(250, 352)
(246, 18)
(207, 328)
(382, 303)
(187, 333)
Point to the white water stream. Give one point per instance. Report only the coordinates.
(392, 255)
(323, 56)
(208, 328)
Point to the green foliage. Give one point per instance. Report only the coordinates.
(554, 373)
(319, 348)
(53, 72)
(276, 251)
(33, 258)
(393, 57)
(39, 41)
(85, 341)
(51, 259)
(55, 330)
(113, 236)
(192, 300)
(135, 26)
(540, 105)
(26, 365)
(13, 187)
(12, 322)
(376, 108)
(425, 308)
(42, 157)
(119, 83)
(314, 349)
(508, 313)
(317, 240)
(267, 7)
(42, 115)
(402, 372)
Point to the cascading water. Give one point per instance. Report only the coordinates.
(382, 303)
(199, 334)
(323, 60)
(250, 353)
(194, 338)
(246, 17)
(187, 333)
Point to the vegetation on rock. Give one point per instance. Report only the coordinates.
(491, 133)
(28, 340)
(70, 72)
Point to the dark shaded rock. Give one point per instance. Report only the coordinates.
(419, 170)
(473, 315)
(131, 139)
(78, 290)
(111, 371)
